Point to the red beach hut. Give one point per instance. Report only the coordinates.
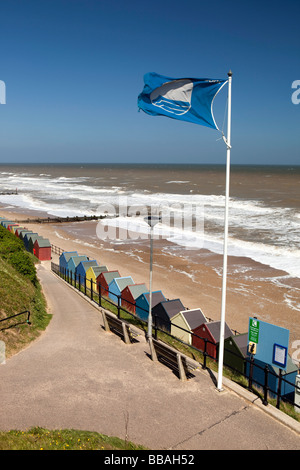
(130, 294)
(10, 226)
(104, 279)
(42, 249)
(211, 332)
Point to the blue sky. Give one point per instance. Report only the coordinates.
(73, 70)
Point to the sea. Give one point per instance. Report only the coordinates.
(264, 205)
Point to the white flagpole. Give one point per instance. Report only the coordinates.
(224, 280)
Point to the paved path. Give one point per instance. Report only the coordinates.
(78, 376)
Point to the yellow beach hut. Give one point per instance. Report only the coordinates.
(91, 276)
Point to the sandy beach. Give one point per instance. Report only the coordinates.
(196, 280)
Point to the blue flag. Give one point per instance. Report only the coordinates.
(186, 99)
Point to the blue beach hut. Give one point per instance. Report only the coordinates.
(142, 303)
(6, 222)
(116, 286)
(26, 239)
(64, 258)
(82, 268)
(73, 263)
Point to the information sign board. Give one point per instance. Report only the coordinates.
(253, 330)
(271, 342)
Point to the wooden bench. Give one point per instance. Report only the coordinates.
(118, 326)
(172, 358)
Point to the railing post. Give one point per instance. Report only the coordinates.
(266, 388)
(99, 290)
(91, 289)
(251, 372)
(279, 389)
(119, 301)
(204, 353)
(84, 285)
(155, 326)
(79, 282)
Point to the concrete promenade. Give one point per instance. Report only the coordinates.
(76, 375)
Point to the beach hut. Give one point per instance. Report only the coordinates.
(6, 223)
(130, 294)
(63, 260)
(235, 352)
(91, 276)
(14, 228)
(18, 230)
(104, 279)
(164, 311)
(10, 227)
(289, 376)
(184, 323)
(31, 239)
(42, 249)
(73, 263)
(116, 286)
(22, 234)
(81, 269)
(26, 239)
(211, 332)
(142, 303)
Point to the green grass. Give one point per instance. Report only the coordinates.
(65, 439)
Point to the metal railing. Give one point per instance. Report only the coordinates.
(102, 296)
(26, 312)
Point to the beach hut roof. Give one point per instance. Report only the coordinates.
(98, 270)
(29, 234)
(157, 297)
(88, 263)
(110, 275)
(43, 242)
(172, 307)
(68, 254)
(242, 342)
(22, 233)
(123, 282)
(137, 289)
(32, 237)
(214, 329)
(77, 259)
(194, 317)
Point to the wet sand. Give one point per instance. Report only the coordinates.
(193, 276)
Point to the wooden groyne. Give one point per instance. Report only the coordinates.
(58, 220)
(8, 193)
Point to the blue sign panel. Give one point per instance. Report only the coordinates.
(272, 344)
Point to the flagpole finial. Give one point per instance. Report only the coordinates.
(229, 73)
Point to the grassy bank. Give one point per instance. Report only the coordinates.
(65, 439)
(19, 291)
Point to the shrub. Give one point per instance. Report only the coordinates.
(12, 250)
